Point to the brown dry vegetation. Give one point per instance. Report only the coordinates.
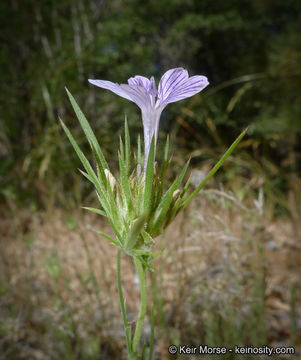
(228, 274)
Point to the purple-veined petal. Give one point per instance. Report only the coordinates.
(153, 90)
(187, 88)
(139, 81)
(138, 94)
(115, 88)
(170, 81)
(148, 85)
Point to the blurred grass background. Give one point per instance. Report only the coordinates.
(251, 53)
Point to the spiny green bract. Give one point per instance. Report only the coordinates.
(136, 203)
(143, 207)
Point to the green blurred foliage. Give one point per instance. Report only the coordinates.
(249, 50)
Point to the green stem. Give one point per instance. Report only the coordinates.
(122, 306)
(143, 302)
(151, 342)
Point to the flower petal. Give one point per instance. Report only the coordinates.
(153, 90)
(187, 88)
(138, 94)
(140, 81)
(148, 85)
(115, 88)
(170, 81)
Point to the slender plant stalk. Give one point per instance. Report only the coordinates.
(155, 209)
(143, 302)
(122, 306)
(151, 342)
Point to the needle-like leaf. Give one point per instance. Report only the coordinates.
(96, 211)
(133, 234)
(82, 158)
(127, 148)
(109, 238)
(124, 176)
(167, 198)
(139, 163)
(215, 168)
(88, 131)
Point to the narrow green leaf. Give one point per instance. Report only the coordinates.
(124, 178)
(128, 334)
(102, 197)
(215, 168)
(132, 236)
(100, 169)
(122, 305)
(110, 207)
(111, 215)
(121, 148)
(166, 149)
(140, 194)
(96, 211)
(101, 162)
(107, 189)
(149, 177)
(119, 237)
(151, 341)
(164, 165)
(186, 186)
(182, 174)
(139, 162)
(88, 130)
(174, 211)
(87, 176)
(90, 172)
(145, 263)
(105, 204)
(164, 205)
(82, 157)
(166, 161)
(108, 238)
(127, 148)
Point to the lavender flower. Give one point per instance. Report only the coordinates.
(139, 208)
(174, 85)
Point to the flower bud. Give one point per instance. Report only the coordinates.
(176, 194)
(110, 178)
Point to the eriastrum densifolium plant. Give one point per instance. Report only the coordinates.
(137, 202)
